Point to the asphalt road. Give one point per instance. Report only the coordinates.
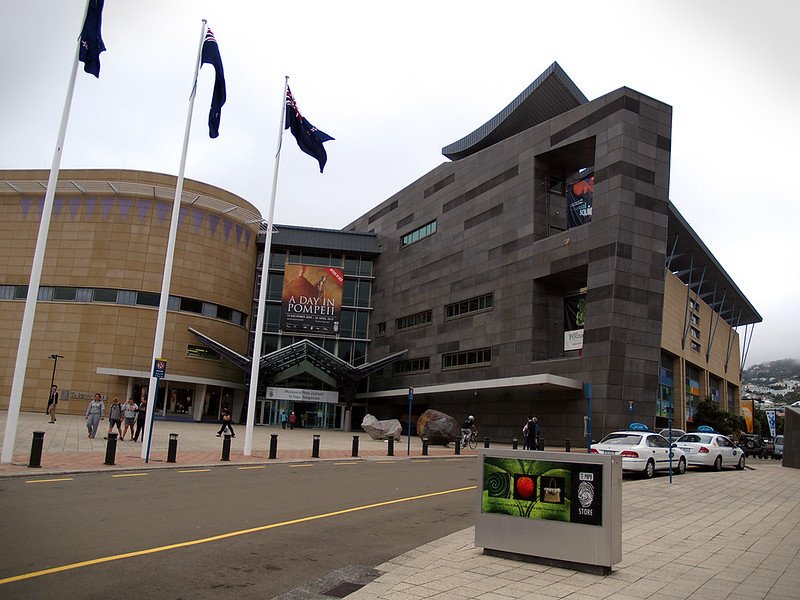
(183, 533)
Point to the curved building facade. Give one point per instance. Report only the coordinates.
(101, 283)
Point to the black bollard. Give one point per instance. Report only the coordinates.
(458, 445)
(172, 449)
(486, 442)
(514, 443)
(273, 445)
(390, 446)
(111, 449)
(355, 446)
(315, 446)
(226, 447)
(36, 449)
(424, 446)
(566, 445)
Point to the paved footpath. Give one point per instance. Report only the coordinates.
(733, 535)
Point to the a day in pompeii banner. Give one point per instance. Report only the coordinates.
(538, 489)
(311, 301)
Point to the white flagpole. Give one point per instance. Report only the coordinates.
(161, 321)
(262, 293)
(36, 270)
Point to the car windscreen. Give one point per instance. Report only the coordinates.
(621, 439)
(696, 438)
(779, 439)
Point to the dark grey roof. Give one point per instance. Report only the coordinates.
(552, 94)
(690, 260)
(327, 239)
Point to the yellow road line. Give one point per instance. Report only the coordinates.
(131, 475)
(49, 480)
(224, 536)
(420, 460)
(303, 465)
(194, 471)
(385, 462)
(254, 467)
(346, 463)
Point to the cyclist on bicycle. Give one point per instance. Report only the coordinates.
(468, 429)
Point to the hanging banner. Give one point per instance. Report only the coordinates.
(771, 422)
(312, 299)
(746, 410)
(579, 201)
(574, 319)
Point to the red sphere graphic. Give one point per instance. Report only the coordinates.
(525, 488)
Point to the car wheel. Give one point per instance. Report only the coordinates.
(718, 464)
(649, 469)
(681, 466)
(740, 464)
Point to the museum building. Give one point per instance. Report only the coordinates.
(542, 270)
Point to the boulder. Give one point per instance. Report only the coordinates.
(438, 427)
(381, 430)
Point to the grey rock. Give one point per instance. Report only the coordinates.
(438, 427)
(381, 430)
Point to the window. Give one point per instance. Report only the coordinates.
(414, 365)
(20, 292)
(458, 309)
(6, 292)
(693, 304)
(101, 295)
(695, 332)
(274, 286)
(194, 351)
(362, 320)
(148, 299)
(469, 358)
(695, 346)
(189, 305)
(64, 293)
(695, 319)
(382, 328)
(415, 320)
(45, 293)
(126, 297)
(418, 234)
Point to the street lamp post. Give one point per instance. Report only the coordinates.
(55, 358)
(410, 404)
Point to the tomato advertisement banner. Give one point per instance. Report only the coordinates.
(311, 301)
(545, 490)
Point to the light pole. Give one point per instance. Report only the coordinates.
(55, 358)
(410, 404)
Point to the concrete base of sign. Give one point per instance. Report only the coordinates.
(550, 562)
(560, 507)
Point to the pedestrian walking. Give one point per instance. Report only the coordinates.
(141, 415)
(129, 411)
(292, 420)
(527, 429)
(284, 420)
(226, 422)
(114, 417)
(534, 431)
(52, 402)
(94, 414)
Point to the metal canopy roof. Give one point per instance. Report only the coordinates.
(692, 262)
(304, 352)
(551, 94)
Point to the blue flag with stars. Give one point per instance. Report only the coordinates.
(211, 56)
(308, 137)
(91, 41)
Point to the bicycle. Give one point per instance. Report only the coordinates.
(469, 440)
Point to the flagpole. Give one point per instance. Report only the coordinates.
(26, 331)
(161, 321)
(262, 293)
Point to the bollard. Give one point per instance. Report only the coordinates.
(226, 447)
(458, 445)
(566, 445)
(315, 446)
(514, 443)
(172, 449)
(355, 446)
(390, 446)
(424, 446)
(273, 445)
(111, 449)
(36, 449)
(486, 442)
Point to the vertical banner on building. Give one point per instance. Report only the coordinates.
(574, 319)
(771, 422)
(746, 410)
(579, 201)
(312, 299)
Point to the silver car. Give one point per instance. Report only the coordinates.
(711, 450)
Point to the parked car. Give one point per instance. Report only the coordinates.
(778, 452)
(676, 433)
(751, 444)
(642, 452)
(711, 450)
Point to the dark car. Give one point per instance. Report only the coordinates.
(751, 444)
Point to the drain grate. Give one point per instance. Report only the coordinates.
(343, 589)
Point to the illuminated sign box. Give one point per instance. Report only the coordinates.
(552, 507)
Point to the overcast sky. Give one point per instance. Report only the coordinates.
(394, 83)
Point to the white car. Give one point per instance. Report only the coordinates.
(712, 450)
(643, 452)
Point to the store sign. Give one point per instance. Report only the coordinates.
(574, 321)
(299, 395)
(311, 301)
(573, 340)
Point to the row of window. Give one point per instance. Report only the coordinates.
(125, 297)
(355, 292)
(467, 358)
(451, 311)
(418, 234)
(352, 265)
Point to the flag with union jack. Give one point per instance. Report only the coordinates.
(211, 56)
(308, 137)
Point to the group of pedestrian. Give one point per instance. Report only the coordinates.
(532, 432)
(128, 417)
(290, 420)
